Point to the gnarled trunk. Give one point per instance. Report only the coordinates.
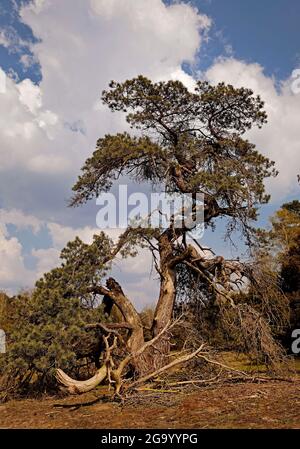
(153, 356)
(164, 309)
(163, 316)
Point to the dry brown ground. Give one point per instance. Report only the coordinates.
(244, 405)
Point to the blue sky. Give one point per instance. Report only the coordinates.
(10, 58)
(59, 54)
(266, 32)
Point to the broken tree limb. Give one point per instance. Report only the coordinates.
(81, 386)
(170, 365)
(213, 284)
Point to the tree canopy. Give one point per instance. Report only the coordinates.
(185, 141)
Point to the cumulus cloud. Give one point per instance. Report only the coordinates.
(19, 219)
(133, 273)
(24, 126)
(29, 95)
(14, 273)
(47, 130)
(12, 269)
(279, 138)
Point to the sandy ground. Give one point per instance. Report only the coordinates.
(244, 405)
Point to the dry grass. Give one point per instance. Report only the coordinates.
(270, 404)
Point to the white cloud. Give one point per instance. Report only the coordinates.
(19, 219)
(46, 260)
(12, 269)
(279, 138)
(81, 46)
(133, 273)
(48, 130)
(63, 234)
(30, 95)
(13, 272)
(86, 44)
(179, 75)
(24, 127)
(143, 293)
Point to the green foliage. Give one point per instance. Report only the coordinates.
(3, 309)
(286, 227)
(46, 329)
(188, 142)
(282, 245)
(290, 270)
(290, 261)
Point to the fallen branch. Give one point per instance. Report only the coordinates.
(166, 367)
(81, 386)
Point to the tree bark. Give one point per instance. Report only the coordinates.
(164, 308)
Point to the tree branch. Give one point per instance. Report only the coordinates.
(183, 359)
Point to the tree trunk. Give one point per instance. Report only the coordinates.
(163, 316)
(136, 333)
(155, 356)
(164, 309)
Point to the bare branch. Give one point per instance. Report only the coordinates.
(170, 365)
(81, 386)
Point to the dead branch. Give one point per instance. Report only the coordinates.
(213, 284)
(81, 386)
(170, 365)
